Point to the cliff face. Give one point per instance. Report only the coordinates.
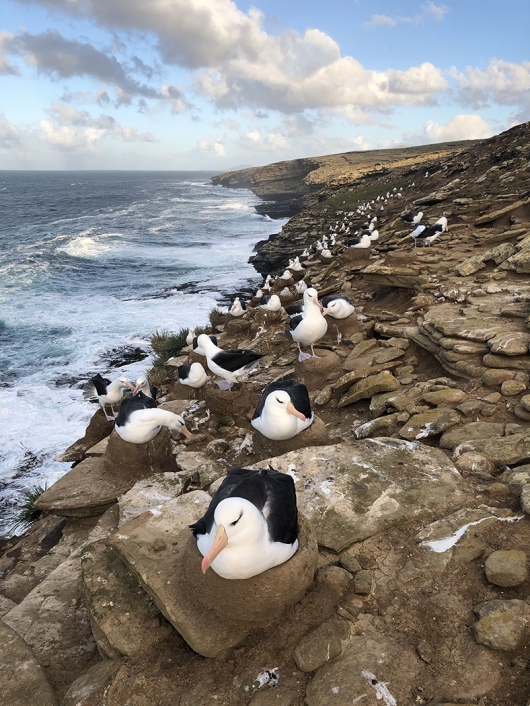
(298, 183)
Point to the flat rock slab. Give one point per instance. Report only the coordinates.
(502, 625)
(431, 423)
(373, 670)
(123, 616)
(22, 679)
(315, 435)
(474, 430)
(89, 688)
(96, 483)
(54, 621)
(367, 387)
(161, 551)
(506, 451)
(150, 493)
(97, 430)
(351, 492)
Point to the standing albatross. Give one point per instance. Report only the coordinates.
(106, 392)
(251, 524)
(230, 365)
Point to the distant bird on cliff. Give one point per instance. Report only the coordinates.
(106, 392)
(326, 253)
(139, 420)
(232, 366)
(428, 234)
(363, 241)
(338, 306)
(310, 326)
(193, 375)
(270, 302)
(410, 218)
(301, 286)
(190, 336)
(283, 411)
(251, 524)
(238, 308)
(197, 348)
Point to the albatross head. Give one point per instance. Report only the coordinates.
(279, 403)
(142, 385)
(239, 523)
(176, 423)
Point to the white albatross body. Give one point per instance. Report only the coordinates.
(311, 326)
(139, 421)
(238, 362)
(283, 411)
(193, 375)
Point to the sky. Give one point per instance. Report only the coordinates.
(223, 84)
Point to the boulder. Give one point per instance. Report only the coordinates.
(320, 646)
(22, 679)
(475, 464)
(279, 696)
(347, 380)
(504, 451)
(234, 402)
(314, 371)
(98, 428)
(512, 388)
(350, 492)
(467, 432)
(506, 568)
(96, 483)
(373, 668)
(444, 397)
(150, 493)
(381, 426)
(89, 689)
(510, 343)
(365, 388)
(502, 625)
(496, 376)
(315, 435)
(54, 622)
(124, 619)
(435, 421)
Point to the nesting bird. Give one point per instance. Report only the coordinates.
(139, 420)
(193, 375)
(338, 306)
(238, 308)
(251, 524)
(106, 392)
(283, 411)
(232, 366)
(270, 302)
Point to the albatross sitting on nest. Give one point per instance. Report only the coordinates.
(283, 411)
(251, 524)
(139, 420)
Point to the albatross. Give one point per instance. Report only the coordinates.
(311, 325)
(251, 524)
(106, 392)
(230, 365)
(139, 420)
(283, 411)
(338, 306)
(193, 375)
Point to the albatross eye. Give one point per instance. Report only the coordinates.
(280, 401)
(232, 524)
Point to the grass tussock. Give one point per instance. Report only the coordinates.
(168, 345)
(160, 373)
(216, 316)
(26, 514)
(223, 421)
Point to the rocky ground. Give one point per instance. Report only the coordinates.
(414, 482)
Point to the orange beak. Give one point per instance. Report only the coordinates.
(219, 543)
(187, 433)
(315, 299)
(131, 386)
(135, 389)
(292, 410)
(326, 311)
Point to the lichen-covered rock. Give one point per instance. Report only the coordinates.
(506, 567)
(444, 396)
(365, 388)
(435, 421)
(503, 451)
(473, 430)
(474, 463)
(512, 388)
(320, 646)
(350, 492)
(502, 625)
(89, 688)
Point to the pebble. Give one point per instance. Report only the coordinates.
(363, 583)
(324, 396)
(474, 463)
(424, 651)
(350, 563)
(506, 568)
(216, 447)
(502, 625)
(319, 647)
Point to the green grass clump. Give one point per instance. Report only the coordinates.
(223, 421)
(160, 373)
(168, 345)
(216, 316)
(26, 514)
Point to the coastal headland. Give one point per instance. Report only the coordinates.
(414, 477)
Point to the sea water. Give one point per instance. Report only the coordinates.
(92, 263)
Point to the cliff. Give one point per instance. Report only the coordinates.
(289, 186)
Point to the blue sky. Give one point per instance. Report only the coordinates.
(217, 84)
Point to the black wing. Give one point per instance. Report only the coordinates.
(265, 299)
(332, 297)
(100, 383)
(294, 309)
(409, 218)
(297, 392)
(235, 360)
(183, 371)
(353, 241)
(295, 320)
(268, 490)
(132, 404)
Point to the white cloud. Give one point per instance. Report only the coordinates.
(502, 82)
(10, 135)
(461, 127)
(211, 145)
(256, 142)
(69, 128)
(429, 11)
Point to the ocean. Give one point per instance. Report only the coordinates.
(91, 264)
